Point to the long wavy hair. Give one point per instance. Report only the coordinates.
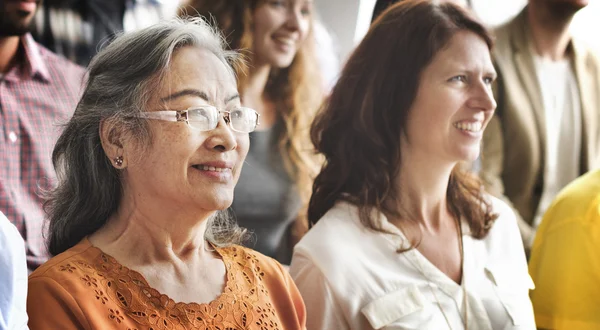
(359, 127)
(121, 80)
(297, 90)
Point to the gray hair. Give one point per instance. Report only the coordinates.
(121, 79)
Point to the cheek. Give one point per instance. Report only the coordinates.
(305, 27)
(429, 126)
(264, 25)
(171, 149)
(243, 145)
(158, 160)
(260, 34)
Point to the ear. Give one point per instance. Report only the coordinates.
(112, 138)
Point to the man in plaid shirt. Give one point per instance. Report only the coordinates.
(38, 92)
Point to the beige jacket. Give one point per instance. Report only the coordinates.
(514, 142)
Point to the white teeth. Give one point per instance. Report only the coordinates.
(212, 168)
(470, 127)
(287, 41)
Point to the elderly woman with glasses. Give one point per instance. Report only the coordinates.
(150, 157)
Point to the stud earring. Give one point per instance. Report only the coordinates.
(119, 161)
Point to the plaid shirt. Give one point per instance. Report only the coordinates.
(77, 30)
(36, 96)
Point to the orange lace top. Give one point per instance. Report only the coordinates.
(83, 288)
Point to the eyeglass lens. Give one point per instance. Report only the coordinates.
(241, 119)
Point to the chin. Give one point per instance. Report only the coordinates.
(216, 201)
(222, 204)
(282, 63)
(468, 155)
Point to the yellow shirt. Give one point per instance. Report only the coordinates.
(565, 259)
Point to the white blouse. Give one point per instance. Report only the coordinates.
(13, 278)
(351, 277)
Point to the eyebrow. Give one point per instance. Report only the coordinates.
(196, 93)
(232, 97)
(186, 92)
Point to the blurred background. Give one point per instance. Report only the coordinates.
(348, 20)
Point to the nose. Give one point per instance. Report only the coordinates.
(222, 138)
(293, 19)
(483, 97)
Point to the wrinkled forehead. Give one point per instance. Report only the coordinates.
(199, 69)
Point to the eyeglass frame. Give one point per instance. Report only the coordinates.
(182, 116)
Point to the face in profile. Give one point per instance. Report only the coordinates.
(280, 28)
(16, 16)
(185, 166)
(454, 101)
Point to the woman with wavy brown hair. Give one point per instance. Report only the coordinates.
(281, 81)
(402, 237)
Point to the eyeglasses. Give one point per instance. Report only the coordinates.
(206, 118)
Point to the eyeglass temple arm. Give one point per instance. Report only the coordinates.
(168, 115)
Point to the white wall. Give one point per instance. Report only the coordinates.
(349, 20)
(496, 12)
(340, 17)
(586, 25)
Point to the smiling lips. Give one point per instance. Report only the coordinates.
(284, 40)
(474, 127)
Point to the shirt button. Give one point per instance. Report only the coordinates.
(12, 136)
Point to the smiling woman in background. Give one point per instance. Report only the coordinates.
(405, 239)
(152, 153)
(282, 83)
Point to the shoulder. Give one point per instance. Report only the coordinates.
(10, 238)
(12, 252)
(500, 207)
(505, 228)
(505, 38)
(67, 268)
(583, 190)
(502, 249)
(252, 262)
(66, 290)
(60, 67)
(255, 270)
(339, 229)
(502, 33)
(584, 51)
(13, 265)
(54, 60)
(338, 240)
(577, 203)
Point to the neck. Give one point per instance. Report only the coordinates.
(8, 52)
(254, 95)
(145, 232)
(550, 31)
(257, 82)
(421, 191)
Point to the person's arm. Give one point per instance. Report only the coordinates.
(565, 264)
(492, 163)
(50, 306)
(322, 311)
(13, 277)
